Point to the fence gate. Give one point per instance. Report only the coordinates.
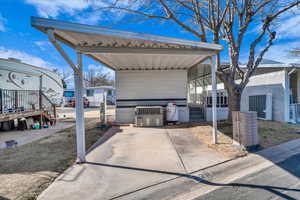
(258, 103)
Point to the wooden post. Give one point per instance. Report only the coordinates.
(214, 97)
(41, 121)
(80, 131)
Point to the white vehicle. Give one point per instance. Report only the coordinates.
(94, 95)
(16, 75)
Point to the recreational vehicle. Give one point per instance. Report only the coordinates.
(16, 75)
(27, 93)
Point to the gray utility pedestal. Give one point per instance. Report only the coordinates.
(245, 129)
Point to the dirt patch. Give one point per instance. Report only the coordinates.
(271, 133)
(27, 170)
(203, 133)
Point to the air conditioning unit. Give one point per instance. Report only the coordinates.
(148, 116)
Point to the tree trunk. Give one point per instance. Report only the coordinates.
(234, 103)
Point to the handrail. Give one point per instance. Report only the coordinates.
(52, 105)
(47, 98)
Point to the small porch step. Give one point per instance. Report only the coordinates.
(196, 114)
(197, 120)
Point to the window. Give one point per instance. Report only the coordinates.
(109, 93)
(90, 92)
(222, 100)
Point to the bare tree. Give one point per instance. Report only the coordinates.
(64, 75)
(219, 20)
(97, 77)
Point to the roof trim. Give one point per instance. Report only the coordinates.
(43, 24)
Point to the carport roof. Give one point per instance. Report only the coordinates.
(123, 50)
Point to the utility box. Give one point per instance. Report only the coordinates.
(245, 131)
(149, 116)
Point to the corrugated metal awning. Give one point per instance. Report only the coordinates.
(122, 50)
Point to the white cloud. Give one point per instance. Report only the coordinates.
(53, 8)
(281, 52)
(2, 23)
(100, 69)
(25, 57)
(89, 18)
(289, 27)
(83, 11)
(42, 44)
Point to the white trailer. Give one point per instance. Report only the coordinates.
(16, 75)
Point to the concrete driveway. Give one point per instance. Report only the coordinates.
(131, 160)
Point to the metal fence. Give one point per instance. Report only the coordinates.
(12, 101)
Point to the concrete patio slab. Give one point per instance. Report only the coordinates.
(194, 154)
(132, 159)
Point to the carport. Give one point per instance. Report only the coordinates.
(130, 53)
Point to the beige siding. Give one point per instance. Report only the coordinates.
(154, 84)
(150, 85)
(125, 115)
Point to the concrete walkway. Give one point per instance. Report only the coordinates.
(131, 160)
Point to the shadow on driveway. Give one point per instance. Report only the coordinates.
(273, 189)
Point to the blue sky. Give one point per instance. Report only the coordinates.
(18, 39)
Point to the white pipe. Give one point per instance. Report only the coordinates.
(214, 98)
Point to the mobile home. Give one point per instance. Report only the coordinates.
(273, 92)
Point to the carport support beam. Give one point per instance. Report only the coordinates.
(80, 130)
(78, 78)
(214, 97)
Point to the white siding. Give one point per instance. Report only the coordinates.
(153, 84)
(149, 85)
(269, 83)
(222, 114)
(263, 84)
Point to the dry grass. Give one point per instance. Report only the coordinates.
(270, 133)
(273, 133)
(27, 170)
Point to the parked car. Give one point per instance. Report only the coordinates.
(86, 102)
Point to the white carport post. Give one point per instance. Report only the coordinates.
(78, 78)
(214, 97)
(80, 130)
